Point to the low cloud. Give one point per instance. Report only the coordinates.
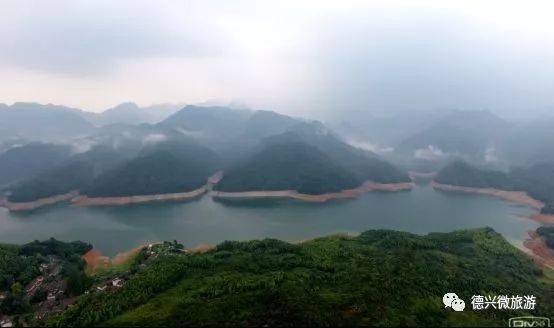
(153, 139)
(431, 153)
(366, 145)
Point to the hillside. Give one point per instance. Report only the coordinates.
(42, 122)
(288, 165)
(465, 133)
(66, 177)
(30, 273)
(229, 132)
(76, 173)
(131, 113)
(30, 159)
(536, 180)
(365, 165)
(380, 278)
(169, 167)
(460, 173)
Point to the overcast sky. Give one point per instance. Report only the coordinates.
(313, 58)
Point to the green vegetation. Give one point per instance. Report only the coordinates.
(537, 180)
(59, 180)
(289, 166)
(380, 278)
(19, 265)
(462, 174)
(365, 165)
(29, 160)
(15, 268)
(166, 168)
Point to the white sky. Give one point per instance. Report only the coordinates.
(315, 58)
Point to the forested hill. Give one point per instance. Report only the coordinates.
(169, 167)
(463, 174)
(290, 165)
(364, 164)
(537, 180)
(380, 278)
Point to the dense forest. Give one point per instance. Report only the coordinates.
(537, 180)
(380, 278)
(62, 179)
(167, 168)
(291, 165)
(362, 163)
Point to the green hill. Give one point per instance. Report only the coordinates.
(169, 167)
(365, 165)
(380, 278)
(460, 173)
(62, 179)
(536, 180)
(289, 165)
(30, 159)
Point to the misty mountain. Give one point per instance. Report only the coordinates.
(75, 173)
(66, 177)
(530, 143)
(385, 131)
(131, 113)
(473, 135)
(289, 165)
(167, 167)
(364, 164)
(30, 159)
(537, 180)
(44, 123)
(230, 132)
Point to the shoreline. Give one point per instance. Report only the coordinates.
(137, 199)
(535, 246)
(518, 197)
(27, 206)
(346, 193)
(84, 200)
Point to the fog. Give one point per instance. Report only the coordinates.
(324, 59)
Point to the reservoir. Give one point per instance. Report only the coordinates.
(112, 229)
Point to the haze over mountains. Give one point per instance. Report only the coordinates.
(130, 150)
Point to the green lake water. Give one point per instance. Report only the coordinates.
(205, 220)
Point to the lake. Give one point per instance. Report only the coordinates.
(205, 220)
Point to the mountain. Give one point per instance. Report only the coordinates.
(41, 122)
(379, 278)
(537, 180)
(229, 132)
(528, 144)
(460, 173)
(30, 159)
(208, 120)
(364, 164)
(131, 113)
(472, 135)
(384, 131)
(288, 165)
(75, 173)
(59, 180)
(168, 167)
